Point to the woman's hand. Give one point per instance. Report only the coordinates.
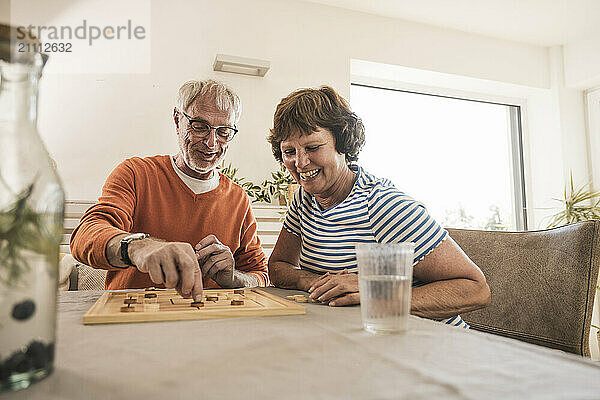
(336, 289)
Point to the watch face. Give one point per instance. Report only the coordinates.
(135, 236)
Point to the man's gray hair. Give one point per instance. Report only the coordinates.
(223, 97)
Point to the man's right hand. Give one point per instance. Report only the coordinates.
(173, 264)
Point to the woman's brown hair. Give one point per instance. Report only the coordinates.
(306, 110)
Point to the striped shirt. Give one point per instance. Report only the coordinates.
(374, 212)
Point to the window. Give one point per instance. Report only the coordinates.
(461, 158)
(593, 121)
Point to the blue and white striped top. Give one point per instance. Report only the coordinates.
(374, 212)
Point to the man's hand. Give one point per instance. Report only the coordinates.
(336, 290)
(173, 264)
(216, 261)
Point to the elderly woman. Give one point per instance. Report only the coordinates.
(317, 137)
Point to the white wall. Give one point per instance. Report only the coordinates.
(582, 72)
(582, 63)
(93, 121)
(593, 130)
(570, 111)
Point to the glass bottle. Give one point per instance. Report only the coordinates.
(31, 224)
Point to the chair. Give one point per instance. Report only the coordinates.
(74, 275)
(84, 277)
(543, 283)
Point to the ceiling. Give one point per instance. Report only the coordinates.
(538, 22)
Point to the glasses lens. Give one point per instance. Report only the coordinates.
(201, 127)
(225, 133)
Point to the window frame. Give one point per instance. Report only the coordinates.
(517, 110)
(592, 117)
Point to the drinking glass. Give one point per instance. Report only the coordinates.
(385, 278)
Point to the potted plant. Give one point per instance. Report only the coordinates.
(581, 204)
(253, 191)
(281, 186)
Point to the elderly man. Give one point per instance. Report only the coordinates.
(174, 221)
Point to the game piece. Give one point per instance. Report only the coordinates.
(197, 304)
(237, 302)
(212, 298)
(171, 300)
(299, 298)
(130, 301)
(127, 308)
(238, 291)
(150, 295)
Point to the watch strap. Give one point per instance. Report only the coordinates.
(125, 246)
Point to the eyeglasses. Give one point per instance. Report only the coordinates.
(202, 129)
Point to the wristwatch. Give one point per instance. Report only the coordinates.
(125, 246)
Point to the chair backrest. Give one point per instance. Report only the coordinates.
(543, 283)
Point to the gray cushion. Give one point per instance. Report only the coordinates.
(543, 283)
(84, 277)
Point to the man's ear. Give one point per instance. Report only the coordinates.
(176, 118)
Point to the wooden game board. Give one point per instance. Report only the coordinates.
(170, 306)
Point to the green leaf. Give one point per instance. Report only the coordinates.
(579, 204)
(22, 229)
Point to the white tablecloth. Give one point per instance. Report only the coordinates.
(324, 354)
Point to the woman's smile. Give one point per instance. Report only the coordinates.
(315, 163)
(309, 175)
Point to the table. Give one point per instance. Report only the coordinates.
(324, 354)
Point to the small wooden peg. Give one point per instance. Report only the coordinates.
(151, 307)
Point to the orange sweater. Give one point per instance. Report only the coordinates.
(146, 195)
